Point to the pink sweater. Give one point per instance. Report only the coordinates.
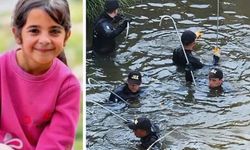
(41, 110)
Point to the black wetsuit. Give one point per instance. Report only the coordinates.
(215, 92)
(180, 60)
(148, 140)
(104, 34)
(124, 92)
(151, 138)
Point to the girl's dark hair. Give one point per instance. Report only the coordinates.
(58, 10)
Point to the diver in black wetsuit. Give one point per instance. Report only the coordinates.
(148, 132)
(215, 77)
(104, 31)
(130, 91)
(188, 40)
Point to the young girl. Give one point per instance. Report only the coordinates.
(40, 97)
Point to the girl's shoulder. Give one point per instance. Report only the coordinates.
(6, 55)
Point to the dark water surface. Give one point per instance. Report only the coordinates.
(204, 122)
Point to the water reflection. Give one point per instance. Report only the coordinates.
(205, 121)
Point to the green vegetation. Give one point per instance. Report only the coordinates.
(94, 7)
(6, 36)
(74, 50)
(79, 136)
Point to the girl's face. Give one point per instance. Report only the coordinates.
(42, 39)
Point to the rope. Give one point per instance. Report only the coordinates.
(108, 110)
(107, 90)
(218, 13)
(162, 138)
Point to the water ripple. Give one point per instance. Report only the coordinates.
(206, 122)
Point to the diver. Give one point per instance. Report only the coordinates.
(215, 77)
(188, 40)
(130, 91)
(148, 132)
(104, 32)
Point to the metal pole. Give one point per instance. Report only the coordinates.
(183, 49)
(108, 90)
(127, 30)
(218, 13)
(162, 138)
(108, 110)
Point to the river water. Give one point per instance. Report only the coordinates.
(203, 121)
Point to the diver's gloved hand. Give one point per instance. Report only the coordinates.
(216, 55)
(125, 21)
(188, 74)
(128, 19)
(216, 60)
(118, 18)
(124, 24)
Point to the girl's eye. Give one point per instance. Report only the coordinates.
(55, 32)
(34, 31)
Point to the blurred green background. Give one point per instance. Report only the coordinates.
(73, 50)
(94, 7)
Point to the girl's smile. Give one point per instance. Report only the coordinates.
(41, 40)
